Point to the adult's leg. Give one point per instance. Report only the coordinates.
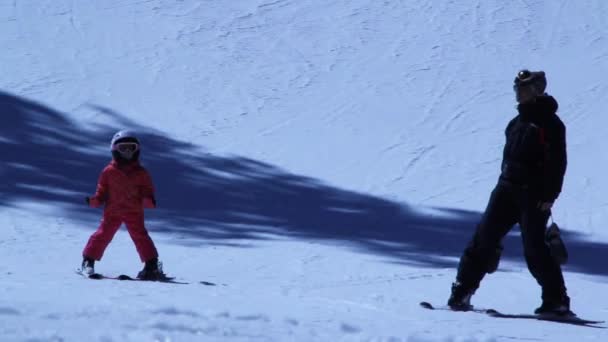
(544, 268)
(482, 253)
(99, 241)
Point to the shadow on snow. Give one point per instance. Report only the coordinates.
(209, 199)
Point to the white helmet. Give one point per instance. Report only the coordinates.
(125, 145)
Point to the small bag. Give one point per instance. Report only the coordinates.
(556, 245)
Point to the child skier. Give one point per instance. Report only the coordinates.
(125, 188)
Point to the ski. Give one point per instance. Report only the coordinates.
(208, 283)
(541, 317)
(430, 306)
(124, 277)
(568, 319)
(162, 280)
(90, 276)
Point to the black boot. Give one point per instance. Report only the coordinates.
(152, 270)
(460, 299)
(88, 266)
(560, 307)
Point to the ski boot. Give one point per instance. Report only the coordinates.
(153, 270)
(557, 308)
(460, 299)
(88, 266)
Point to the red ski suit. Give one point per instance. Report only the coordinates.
(125, 190)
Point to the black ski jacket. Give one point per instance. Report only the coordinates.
(534, 155)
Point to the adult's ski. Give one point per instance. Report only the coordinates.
(567, 319)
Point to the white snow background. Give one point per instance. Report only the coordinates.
(323, 163)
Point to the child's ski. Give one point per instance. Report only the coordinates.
(99, 276)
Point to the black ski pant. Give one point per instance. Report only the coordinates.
(509, 205)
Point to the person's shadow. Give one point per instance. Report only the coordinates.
(209, 199)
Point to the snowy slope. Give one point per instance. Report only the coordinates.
(323, 163)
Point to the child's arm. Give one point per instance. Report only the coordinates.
(101, 193)
(147, 191)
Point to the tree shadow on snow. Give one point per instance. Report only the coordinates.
(208, 199)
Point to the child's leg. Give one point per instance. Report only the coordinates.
(101, 238)
(143, 243)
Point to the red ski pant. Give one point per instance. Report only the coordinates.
(99, 241)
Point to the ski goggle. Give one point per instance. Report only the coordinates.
(126, 147)
(524, 75)
(526, 80)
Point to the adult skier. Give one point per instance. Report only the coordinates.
(532, 173)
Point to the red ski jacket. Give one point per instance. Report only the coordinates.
(124, 189)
